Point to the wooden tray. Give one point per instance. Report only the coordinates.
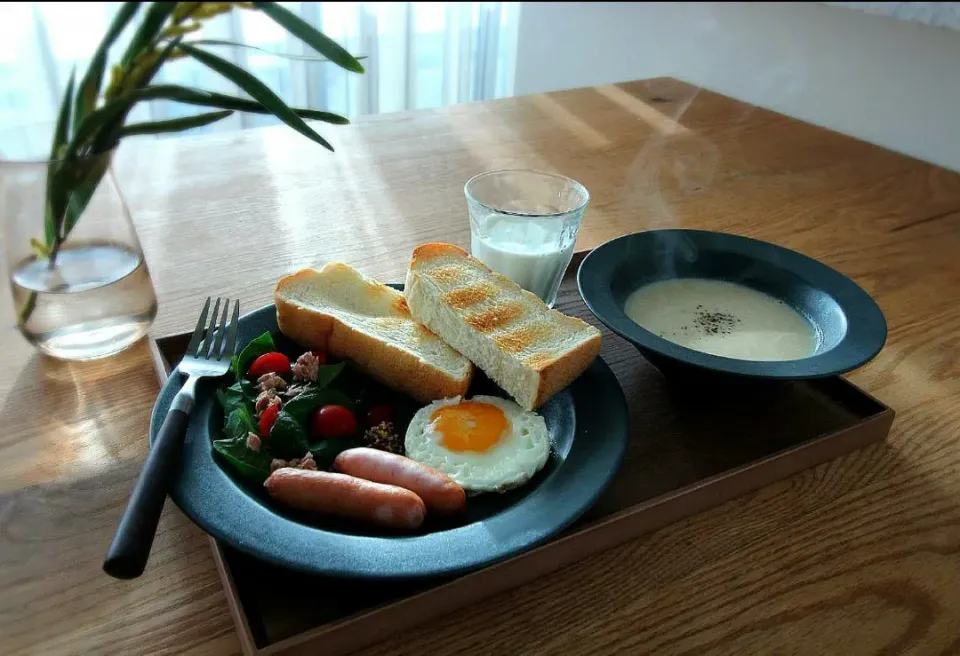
(689, 451)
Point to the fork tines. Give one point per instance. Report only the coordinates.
(202, 343)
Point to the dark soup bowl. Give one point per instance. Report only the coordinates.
(850, 327)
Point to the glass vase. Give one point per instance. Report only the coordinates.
(81, 287)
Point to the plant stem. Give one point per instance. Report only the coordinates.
(54, 250)
(28, 309)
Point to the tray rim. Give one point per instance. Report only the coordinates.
(379, 622)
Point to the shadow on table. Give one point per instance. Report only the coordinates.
(68, 420)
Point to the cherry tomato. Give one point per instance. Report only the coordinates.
(267, 419)
(379, 414)
(332, 421)
(321, 356)
(267, 363)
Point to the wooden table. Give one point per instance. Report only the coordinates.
(859, 555)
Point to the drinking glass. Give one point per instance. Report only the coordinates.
(524, 225)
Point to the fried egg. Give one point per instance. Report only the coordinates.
(486, 444)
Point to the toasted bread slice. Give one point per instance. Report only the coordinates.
(350, 316)
(531, 351)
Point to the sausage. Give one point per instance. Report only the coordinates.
(439, 492)
(347, 496)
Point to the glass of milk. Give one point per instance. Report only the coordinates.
(524, 224)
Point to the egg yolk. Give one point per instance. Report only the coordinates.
(469, 426)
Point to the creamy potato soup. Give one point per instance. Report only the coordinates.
(722, 318)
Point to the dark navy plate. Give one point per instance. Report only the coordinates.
(588, 426)
(851, 326)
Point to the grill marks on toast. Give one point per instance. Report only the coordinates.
(465, 297)
(501, 315)
(522, 338)
(541, 359)
(496, 317)
(447, 275)
(530, 351)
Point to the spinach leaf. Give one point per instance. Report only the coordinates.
(250, 464)
(312, 398)
(246, 387)
(240, 422)
(252, 351)
(328, 372)
(231, 398)
(289, 437)
(325, 451)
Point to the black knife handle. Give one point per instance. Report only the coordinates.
(131, 544)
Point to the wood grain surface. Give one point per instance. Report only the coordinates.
(860, 555)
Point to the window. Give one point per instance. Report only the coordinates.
(417, 55)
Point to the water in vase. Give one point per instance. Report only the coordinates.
(97, 301)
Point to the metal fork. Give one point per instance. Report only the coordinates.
(205, 356)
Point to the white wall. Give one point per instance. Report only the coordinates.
(940, 14)
(890, 82)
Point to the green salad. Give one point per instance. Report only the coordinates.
(287, 410)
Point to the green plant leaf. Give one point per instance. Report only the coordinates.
(289, 435)
(89, 90)
(110, 135)
(107, 115)
(78, 179)
(87, 95)
(236, 44)
(300, 406)
(240, 422)
(49, 223)
(57, 199)
(247, 387)
(174, 124)
(250, 464)
(39, 247)
(160, 61)
(152, 23)
(252, 351)
(61, 133)
(55, 193)
(76, 205)
(325, 451)
(257, 90)
(232, 398)
(312, 37)
(100, 118)
(112, 113)
(204, 98)
(252, 107)
(326, 373)
(183, 11)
